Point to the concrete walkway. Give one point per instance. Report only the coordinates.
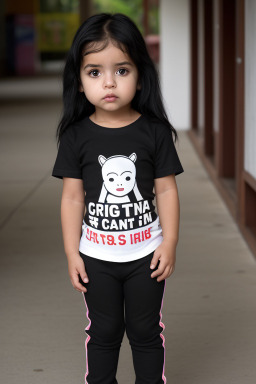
(209, 305)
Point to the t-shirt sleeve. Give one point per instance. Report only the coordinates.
(67, 160)
(167, 161)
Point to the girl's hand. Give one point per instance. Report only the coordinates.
(76, 268)
(166, 253)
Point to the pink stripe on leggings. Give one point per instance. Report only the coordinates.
(87, 339)
(161, 335)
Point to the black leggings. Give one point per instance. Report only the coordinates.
(123, 296)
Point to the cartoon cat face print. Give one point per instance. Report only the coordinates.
(118, 173)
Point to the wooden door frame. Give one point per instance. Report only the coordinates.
(208, 77)
(225, 145)
(194, 63)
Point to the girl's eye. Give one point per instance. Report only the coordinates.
(122, 71)
(94, 73)
(127, 178)
(111, 179)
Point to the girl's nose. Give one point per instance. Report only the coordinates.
(109, 81)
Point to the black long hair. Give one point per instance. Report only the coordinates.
(120, 30)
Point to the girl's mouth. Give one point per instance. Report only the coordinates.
(120, 189)
(110, 98)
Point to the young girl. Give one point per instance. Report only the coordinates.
(116, 145)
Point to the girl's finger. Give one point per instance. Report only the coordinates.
(159, 271)
(83, 275)
(154, 261)
(164, 275)
(167, 273)
(78, 286)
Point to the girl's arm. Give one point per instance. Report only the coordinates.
(168, 209)
(72, 213)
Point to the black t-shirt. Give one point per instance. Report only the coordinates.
(118, 167)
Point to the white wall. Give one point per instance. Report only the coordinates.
(250, 87)
(175, 60)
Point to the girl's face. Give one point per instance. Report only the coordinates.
(109, 79)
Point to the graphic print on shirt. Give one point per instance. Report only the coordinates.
(119, 178)
(115, 212)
